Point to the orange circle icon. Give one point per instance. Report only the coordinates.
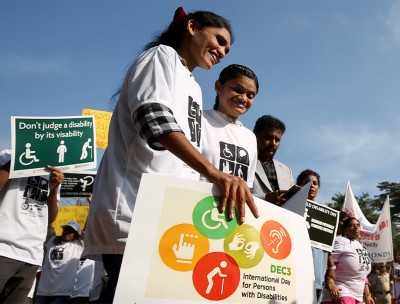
(182, 246)
(276, 240)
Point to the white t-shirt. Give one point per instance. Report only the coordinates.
(84, 279)
(157, 76)
(232, 148)
(352, 267)
(60, 268)
(24, 218)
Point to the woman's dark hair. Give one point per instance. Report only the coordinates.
(58, 238)
(173, 34)
(346, 223)
(234, 71)
(302, 176)
(268, 121)
(343, 215)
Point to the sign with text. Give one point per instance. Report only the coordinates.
(184, 250)
(376, 238)
(70, 213)
(77, 184)
(102, 119)
(322, 223)
(64, 142)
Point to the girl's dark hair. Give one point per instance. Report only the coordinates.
(346, 223)
(173, 34)
(233, 71)
(304, 174)
(58, 238)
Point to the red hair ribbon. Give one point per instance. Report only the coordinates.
(180, 15)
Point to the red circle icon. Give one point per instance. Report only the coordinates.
(216, 276)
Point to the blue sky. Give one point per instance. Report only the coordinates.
(329, 69)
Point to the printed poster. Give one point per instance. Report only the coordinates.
(78, 184)
(181, 249)
(70, 213)
(68, 143)
(322, 223)
(102, 119)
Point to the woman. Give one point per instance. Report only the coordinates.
(60, 266)
(156, 128)
(320, 257)
(352, 267)
(227, 144)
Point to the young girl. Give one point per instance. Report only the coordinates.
(227, 144)
(156, 128)
(60, 266)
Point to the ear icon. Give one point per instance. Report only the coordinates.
(277, 236)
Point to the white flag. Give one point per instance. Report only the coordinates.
(377, 238)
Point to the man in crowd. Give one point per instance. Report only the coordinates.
(272, 178)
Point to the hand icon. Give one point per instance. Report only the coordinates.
(250, 249)
(237, 242)
(183, 251)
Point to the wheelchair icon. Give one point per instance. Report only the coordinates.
(28, 157)
(215, 216)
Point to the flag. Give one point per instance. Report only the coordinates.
(376, 238)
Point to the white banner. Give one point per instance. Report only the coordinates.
(377, 238)
(180, 249)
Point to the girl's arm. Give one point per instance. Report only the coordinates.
(234, 190)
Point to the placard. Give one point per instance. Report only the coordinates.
(77, 184)
(181, 249)
(64, 142)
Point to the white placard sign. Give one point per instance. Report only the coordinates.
(180, 249)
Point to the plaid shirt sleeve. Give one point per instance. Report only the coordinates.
(153, 120)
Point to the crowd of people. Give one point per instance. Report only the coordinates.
(159, 126)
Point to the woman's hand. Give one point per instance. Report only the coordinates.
(333, 289)
(234, 194)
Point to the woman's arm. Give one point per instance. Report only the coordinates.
(55, 179)
(367, 295)
(234, 190)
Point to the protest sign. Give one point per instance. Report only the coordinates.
(322, 223)
(70, 213)
(78, 184)
(64, 142)
(321, 220)
(376, 238)
(102, 119)
(181, 249)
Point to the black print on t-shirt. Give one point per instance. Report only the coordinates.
(364, 259)
(233, 160)
(57, 254)
(194, 120)
(35, 194)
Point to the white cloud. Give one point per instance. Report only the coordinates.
(362, 154)
(391, 24)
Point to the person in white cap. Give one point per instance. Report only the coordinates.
(60, 266)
